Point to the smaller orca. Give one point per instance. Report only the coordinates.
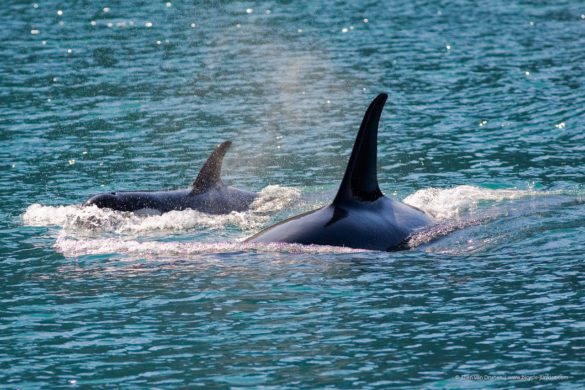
(207, 194)
(360, 216)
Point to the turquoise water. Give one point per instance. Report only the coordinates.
(485, 118)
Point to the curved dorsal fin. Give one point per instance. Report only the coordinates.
(210, 173)
(360, 181)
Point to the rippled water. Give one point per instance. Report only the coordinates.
(483, 130)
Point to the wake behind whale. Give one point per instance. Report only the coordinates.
(81, 220)
(468, 219)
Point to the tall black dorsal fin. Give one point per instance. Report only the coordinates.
(360, 181)
(210, 173)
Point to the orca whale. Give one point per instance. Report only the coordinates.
(360, 216)
(207, 194)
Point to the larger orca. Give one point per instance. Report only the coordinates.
(207, 194)
(360, 216)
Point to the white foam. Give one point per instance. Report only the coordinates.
(76, 218)
(442, 204)
(274, 198)
(74, 248)
(451, 203)
(39, 215)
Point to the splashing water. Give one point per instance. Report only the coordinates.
(470, 208)
(453, 209)
(444, 204)
(273, 199)
(73, 248)
(76, 218)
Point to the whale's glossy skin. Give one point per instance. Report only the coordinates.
(208, 194)
(359, 225)
(217, 200)
(360, 216)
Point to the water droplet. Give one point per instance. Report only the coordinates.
(169, 4)
(158, 42)
(55, 79)
(69, 51)
(448, 47)
(249, 10)
(366, 20)
(527, 73)
(328, 101)
(34, 32)
(49, 100)
(364, 89)
(148, 24)
(93, 23)
(60, 12)
(300, 30)
(106, 9)
(344, 30)
(193, 25)
(13, 165)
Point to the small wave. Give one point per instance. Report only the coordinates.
(450, 203)
(442, 229)
(70, 247)
(513, 218)
(272, 199)
(76, 218)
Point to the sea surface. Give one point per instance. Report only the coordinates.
(484, 129)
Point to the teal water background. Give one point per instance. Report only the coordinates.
(127, 95)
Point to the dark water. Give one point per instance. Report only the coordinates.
(485, 117)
